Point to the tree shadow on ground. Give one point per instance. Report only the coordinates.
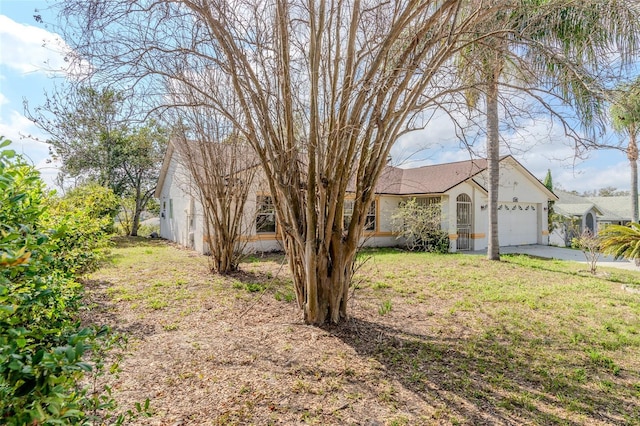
(139, 242)
(101, 311)
(610, 274)
(486, 380)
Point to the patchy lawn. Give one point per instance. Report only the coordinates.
(432, 339)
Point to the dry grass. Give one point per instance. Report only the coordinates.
(433, 339)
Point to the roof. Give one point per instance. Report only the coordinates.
(440, 178)
(435, 179)
(614, 208)
(607, 208)
(578, 209)
(166, 161)
(565, 197)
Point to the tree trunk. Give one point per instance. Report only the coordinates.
(493, 160)
(632, 155)
(322, 277)
(135, 223)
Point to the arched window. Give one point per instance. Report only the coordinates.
(589, 222)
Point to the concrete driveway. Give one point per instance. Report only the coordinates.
(560, 253)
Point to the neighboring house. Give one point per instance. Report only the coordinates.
(576, 213)
(615, 210)
(459, 187)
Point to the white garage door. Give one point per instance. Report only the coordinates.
(517, 224)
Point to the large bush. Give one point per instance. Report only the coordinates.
(419, 225)
(41, 343)
(83, 221)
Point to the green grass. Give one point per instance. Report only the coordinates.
(536, 334)
(529, 340)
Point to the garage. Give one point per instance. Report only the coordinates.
(517, 224)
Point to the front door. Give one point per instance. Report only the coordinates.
(464, 221)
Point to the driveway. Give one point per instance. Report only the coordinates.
(561, 253)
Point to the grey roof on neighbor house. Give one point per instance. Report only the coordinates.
(574, 209)
(616, 209)
(565, 197)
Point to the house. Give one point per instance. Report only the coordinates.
(575, 214)
(615, 210)
(459, 187)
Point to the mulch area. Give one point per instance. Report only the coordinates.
(246, 358)
(214, 353)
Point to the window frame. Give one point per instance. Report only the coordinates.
(371, 218)
(261, 212)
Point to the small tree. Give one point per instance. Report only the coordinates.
(590, 245)
(548, 183)
(419, 225)
(95, 140)
(141, 160)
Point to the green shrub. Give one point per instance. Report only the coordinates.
(41, 343)
(419, 224)
(83, 221)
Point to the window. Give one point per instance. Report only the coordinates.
(170, 208)
(369, 221)
(265, 215)
(428, 201)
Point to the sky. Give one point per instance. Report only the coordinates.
(32, 57)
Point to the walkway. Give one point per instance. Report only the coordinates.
(561, 253)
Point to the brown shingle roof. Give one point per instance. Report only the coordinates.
(435, 179)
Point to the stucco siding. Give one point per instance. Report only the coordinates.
(180, 212)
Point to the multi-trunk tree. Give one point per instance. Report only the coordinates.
(221, 170)
(324, 89)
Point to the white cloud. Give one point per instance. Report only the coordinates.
(27, 49)
(3, 99)
(436, 143)
(22, 132)
(48, 172)
(538, 145)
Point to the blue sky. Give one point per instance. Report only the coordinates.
(32, 57)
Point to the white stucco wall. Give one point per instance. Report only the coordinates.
(523, 216)
(181, 218)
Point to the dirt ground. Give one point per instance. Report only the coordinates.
(206, 351)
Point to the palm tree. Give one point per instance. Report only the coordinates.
(625, 118)
(621, 241)
(554, 45)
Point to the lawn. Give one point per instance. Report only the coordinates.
(432, 339)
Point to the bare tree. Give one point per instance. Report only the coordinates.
(324, 88)
(221, 164)
(222, 169)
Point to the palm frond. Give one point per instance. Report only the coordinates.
(621, 241)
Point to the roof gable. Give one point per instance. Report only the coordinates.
(433, 179)
(440, 178)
